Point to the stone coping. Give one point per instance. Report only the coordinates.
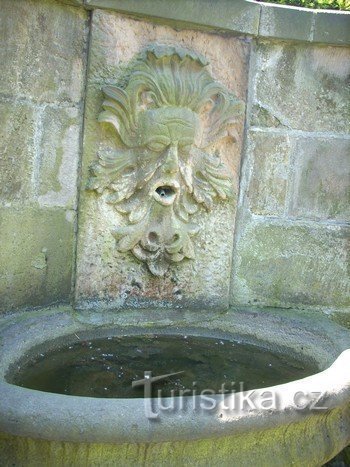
(247, 17)
(37, 414)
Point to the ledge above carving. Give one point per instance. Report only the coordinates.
(243, 17)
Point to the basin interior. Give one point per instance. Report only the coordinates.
(106, 367)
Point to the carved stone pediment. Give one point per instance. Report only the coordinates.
(167, 117)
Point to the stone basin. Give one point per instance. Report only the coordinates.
(60, 429)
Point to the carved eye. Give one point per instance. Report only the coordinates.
(157, 146)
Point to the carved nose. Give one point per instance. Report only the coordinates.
(171, 163)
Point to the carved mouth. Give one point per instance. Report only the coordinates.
(165, 193)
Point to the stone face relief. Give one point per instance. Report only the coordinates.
(166, 116)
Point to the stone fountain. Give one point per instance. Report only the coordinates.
(166, 114)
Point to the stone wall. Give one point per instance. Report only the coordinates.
(43, 60)
(291, 238)
(292, 235)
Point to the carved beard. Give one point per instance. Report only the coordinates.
(159, 231)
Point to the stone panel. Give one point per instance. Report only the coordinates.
(36, 256)
(284, 264)
(269, 160)
(304, 87)
(60, 140)
(103, 273)
(322, 179)
(42, 49)
(17, 126)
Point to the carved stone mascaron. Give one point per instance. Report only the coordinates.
(165, 118)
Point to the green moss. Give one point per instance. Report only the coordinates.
(286, 265)
(36, 255)
(293, 444)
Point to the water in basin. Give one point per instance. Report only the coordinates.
(106, 367)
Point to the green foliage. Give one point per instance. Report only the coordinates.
(323, 4)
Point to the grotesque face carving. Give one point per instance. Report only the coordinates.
(168, 135)
(166, 116)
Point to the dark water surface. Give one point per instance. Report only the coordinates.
(106, 367)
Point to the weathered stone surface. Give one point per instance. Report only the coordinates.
(59, 156)
(17, 124)
(238, 16)
(73, 2)
(42, 50)
(43, 63)
(311, 175)
(104, 273)
(332, 27)
(304, 87)
(269, 157)
(285, 23)
(260, 116)
(322, 179)
(281, 264)
(36, 256)
(342, 318)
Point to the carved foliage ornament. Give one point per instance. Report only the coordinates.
(165, 118)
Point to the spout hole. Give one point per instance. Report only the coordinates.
(153, 237)
(165, 191)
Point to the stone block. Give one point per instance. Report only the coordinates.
(239, 16)
(322, 179)
(43, 50)
(281, 22)
(36, 256)
(17, 148)
(282, 264)
(303, 86)
(269, 156)
(60, 149)
(332, 27)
